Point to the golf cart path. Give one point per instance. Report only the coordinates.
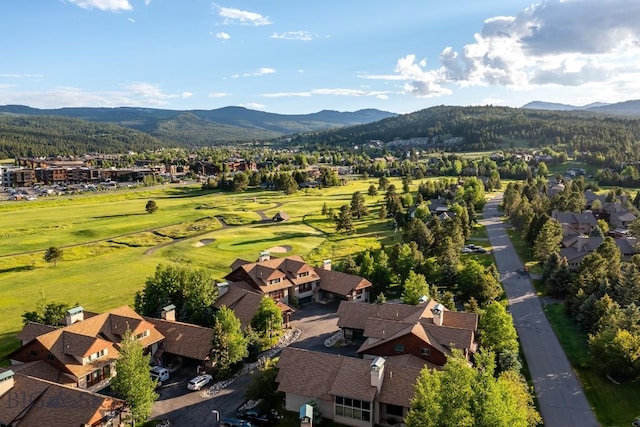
(560, 395)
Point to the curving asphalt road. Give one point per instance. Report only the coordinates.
(560, 396)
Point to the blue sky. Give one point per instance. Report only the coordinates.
(296, 56)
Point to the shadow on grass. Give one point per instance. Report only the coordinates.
(277, 238)
(17, 269)
(119, 215)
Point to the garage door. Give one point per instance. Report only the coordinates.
(305, 300)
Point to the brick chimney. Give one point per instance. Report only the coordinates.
(6, 381)
(169, 313)
(73, 315)
(326, 264)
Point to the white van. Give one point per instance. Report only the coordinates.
(159, 373)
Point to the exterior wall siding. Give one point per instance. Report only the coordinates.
(412, 345)
(293, 402)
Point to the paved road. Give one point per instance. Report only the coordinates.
(193, 408)
(560, 395)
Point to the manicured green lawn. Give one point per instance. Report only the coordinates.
(104, 237)
(614, 404)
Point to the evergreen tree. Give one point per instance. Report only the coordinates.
(548, 241)
(373, 191)
(53, 254)
(268, 318)
(358, 208)
(344, 220)
(151, 207)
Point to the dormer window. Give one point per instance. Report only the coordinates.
(97, 355)
(303, 274)
(274, 281)
(142, 335)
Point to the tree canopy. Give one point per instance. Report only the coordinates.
(132, 382)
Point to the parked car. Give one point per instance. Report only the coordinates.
(200, 381)
(234, 422)
(258, 418)
(159, 373)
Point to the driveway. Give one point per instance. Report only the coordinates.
(560, 396)
(316, 322)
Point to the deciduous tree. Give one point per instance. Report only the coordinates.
(229, 344)
(132, 382)
(151, 207)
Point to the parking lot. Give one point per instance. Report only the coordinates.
(316, 322)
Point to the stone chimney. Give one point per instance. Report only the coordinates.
(6, 381)
(73, 315)
(223, 288)
(377, 372)
(326, 264)
(169, 313)
(438, 314)
(264, 256)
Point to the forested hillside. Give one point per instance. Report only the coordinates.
(53, 136)
(209, 127)
(484, 128)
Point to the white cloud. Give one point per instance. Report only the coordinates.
(131, 20)
(221, 35)
(217, 95)
(253, 106)
(259, 72)
(237, 16)
(572, 43)
(107, 5)
(21, 76)
(293, 35)
(186, 95)
(336, 91)
(138, 94)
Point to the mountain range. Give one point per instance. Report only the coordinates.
(629, 108)
(201, 127)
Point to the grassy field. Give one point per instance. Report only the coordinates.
(614, 404)
(111, 245)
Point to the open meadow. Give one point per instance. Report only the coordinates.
(111, 245)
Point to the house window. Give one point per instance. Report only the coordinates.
(274, 281)
(305, 287)
(399, 348)
(425, 351)
(353, 408)
(34, 353)
(98, 375)
(396, 410)
(97, 354)
(142, 335)
(303, 274)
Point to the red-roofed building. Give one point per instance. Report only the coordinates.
(288, 278)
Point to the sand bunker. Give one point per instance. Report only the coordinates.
(204, 242)
(280, 249)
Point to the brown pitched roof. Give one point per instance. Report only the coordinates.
(382, 323)
(321, 376)
(355, 315)
(307, 373)
(51, 404)
(398, 384)
(184, 339)
(353, 380)
(32, 330)
(243, 302)
(43, 370)
(340, 283)
(99, 332)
